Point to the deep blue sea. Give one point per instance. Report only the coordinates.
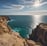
(23, 24)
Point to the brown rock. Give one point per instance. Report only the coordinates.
(39, 34)
(3, 24)
(7, 39)
(31, 43)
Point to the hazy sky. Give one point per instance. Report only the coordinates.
(22, 6)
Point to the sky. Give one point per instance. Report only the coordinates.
(23, 7)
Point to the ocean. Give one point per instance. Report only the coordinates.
(23, 24)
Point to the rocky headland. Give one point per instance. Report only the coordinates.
(39, 34)
(10, 38)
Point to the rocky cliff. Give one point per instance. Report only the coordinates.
(10, 38)
(39, 34)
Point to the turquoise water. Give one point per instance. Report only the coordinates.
(23, 24)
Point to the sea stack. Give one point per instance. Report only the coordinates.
(39, 34)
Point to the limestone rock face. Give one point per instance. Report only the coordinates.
(10, 38)
(39, 34)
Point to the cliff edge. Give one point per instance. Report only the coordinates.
(39, 34)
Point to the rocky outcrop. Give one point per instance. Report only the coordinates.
(10, 38)
(15, 40)
(3, 24)
(39, 34)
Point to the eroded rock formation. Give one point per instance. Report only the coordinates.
(39, 34)
(10, 38)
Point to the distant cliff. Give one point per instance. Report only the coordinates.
(10, 38)
(39, 34)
